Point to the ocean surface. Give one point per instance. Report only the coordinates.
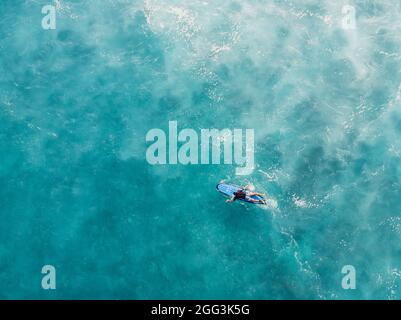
(76, 190)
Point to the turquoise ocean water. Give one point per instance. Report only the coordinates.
(76, 191)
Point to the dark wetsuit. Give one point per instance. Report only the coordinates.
(240, 194)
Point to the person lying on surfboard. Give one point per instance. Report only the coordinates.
(244, 193)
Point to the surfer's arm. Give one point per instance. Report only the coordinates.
(232, 199)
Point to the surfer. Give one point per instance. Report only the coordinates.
(243, 194)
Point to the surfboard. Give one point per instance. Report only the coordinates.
(229, 189)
